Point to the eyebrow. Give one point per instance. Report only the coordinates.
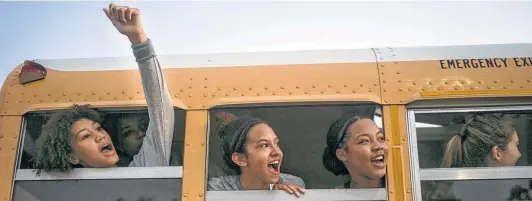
(83, 129)
(265, 140)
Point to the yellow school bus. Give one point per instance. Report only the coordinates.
(419, 96)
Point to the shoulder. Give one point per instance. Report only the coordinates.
(223, 183)
(291, 179)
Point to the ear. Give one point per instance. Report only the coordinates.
(496, 154)
(239, 159)
(341, 155)
(73, 159)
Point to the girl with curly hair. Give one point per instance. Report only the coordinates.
(75, 138)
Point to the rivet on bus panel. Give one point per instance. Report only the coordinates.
(414, 83)
(408, 191)
(384, 81)
(385, 90)
(205, 86)
(79, 93)
(226, 94)
(369, 90)
(397, 72)
(330, 86)
(100, 98)
(213, 95)
(400, 89)
(423, 89)
(56, 100)
(250, 88)
(131, 97)
(297, 86)
(190, 79)
(440, 88)
(234, 88)
(456, 88)
(124, 92)
(505, 87)
(306, 92)
(204, 106)
(206, 78)
(382, 66)
(521, 86)
(386, 101)
(274, 93)
(116, 98)
(64, 94)
(338, 91)
(181, 90)
(190, 86)
(354, 91)
(7, 101)
(345, 85)
(511, 81)
(258, 93)
(201, 194)
(41, 101)
(190, 95)
(34, 95)
(188, 144)
(202, 144)
(527, 80)
(401, 101)
(49, 94)
(495, 81)
(219, 89)
(290, 93)
(242, 94)
(473, 88)
(70, 99)
(86, 99)
(480, 82)
(282, 87)
(446, 82)
(185, 195)
(204, 95)
(490, 87)
(138, 91)
(313, 86)
(265, 88)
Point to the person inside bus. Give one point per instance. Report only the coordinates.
(356, 147)
(485, 140)
(75, 138)
(127, 133)
(251, 148)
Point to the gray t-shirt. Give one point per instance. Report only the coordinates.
(232, 182)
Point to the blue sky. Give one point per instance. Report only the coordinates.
(45, 30)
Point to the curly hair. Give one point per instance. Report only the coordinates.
(53, 145)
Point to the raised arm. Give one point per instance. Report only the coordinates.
(156, 147)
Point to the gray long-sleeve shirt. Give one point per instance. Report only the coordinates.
(156, 147)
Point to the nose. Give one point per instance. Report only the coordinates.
(99, 136)
(378, 146)
(276, 151)
(141, 134)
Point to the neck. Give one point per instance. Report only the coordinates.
(363, 182)
(249, 182)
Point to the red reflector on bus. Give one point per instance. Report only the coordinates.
(31, 71)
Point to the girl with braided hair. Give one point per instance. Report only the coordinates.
(486, 140)
(251, 148)
(356, 147)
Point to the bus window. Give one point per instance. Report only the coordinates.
(89, 190)
(291, 141)
(120, 183)
(470, 153)
(126, 129)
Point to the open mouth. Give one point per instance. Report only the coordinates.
(107, 149)
(378, 160)
(274, 166)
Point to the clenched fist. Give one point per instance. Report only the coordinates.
(127, 21)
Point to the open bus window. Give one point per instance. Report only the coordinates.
(301, 131)
(126, 128)
(479, 153)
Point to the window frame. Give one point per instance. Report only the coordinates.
(457, 174)
(370, 194)
(116, 173)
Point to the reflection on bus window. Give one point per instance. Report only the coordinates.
(356, 147)
(126, 131)
(91, 190)
(489, 190)
(473, 140)
(302, 133)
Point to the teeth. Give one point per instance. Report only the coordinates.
(274, 162)
(378, 158)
